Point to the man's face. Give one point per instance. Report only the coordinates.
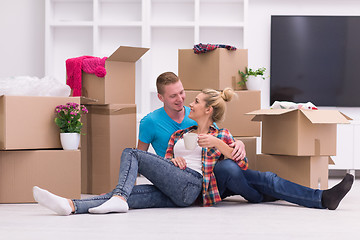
(173, 96)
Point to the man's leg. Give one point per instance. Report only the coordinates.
(231, 181)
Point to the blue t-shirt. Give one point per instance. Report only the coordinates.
(156, 129)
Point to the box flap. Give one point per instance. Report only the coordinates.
(262, 112)
(325, 116)
(127, 54)
(331, 161)
(86, 100)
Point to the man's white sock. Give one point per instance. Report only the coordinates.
(51, 201)
(114, 205)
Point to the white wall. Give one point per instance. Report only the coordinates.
(22, 33)
(22, 38)
(258, 35)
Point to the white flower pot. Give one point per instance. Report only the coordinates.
(70, 141)
(254, 83)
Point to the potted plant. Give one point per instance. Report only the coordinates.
(250, 78)
(68, 120)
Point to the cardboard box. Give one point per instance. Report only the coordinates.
(250, 148)
(309, 171)
(110, 129)
(55, 170)
(299, 132)
(118, 86)
(27, 122)
(236, 120)
(216, 69)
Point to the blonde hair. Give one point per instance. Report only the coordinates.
(216, 100)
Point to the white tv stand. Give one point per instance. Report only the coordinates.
(348, 147)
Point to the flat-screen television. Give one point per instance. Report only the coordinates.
(316, 59)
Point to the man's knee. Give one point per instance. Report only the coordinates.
(227, 166)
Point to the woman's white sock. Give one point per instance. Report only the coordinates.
(51, 201)
(113, 205)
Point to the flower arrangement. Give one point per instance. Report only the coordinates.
(68, 117)
(249, 72)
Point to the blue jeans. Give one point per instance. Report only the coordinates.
(257, 186)
(172, 187)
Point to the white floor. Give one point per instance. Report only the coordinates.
(231, 219)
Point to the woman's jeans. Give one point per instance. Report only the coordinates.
(257, 186)
(172, 187)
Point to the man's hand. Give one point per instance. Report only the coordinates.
(179, 162)
(239, 152)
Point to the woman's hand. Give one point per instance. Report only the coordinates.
(207, 140)
(179, 162)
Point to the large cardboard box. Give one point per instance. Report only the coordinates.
(309, 171)
(299, 132)
(250, 148)
(110, 129)
(118, 86)
(216, 69)
(27, 122)
(236, 120)
(55, 170)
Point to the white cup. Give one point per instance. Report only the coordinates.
(190, 140)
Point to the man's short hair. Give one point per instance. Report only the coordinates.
(164, 79)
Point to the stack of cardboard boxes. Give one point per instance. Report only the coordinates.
(110, 126)
(297, 144)
(30, 150)
(218, 69)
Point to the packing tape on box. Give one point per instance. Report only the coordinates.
(114, 109)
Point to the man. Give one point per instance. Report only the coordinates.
(157, 127)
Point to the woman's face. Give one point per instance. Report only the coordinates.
(198, 107)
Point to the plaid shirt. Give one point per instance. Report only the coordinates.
(209, 156)
(204, 48)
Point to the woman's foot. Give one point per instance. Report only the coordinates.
(51, 201)
(331, 198)
(115, 204)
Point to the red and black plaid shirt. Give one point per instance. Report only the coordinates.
(209, 156)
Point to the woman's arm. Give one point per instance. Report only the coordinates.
(207, 140)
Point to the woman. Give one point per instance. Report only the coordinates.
(178, 179)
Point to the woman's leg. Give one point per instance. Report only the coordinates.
(148, 196)
(181, 186)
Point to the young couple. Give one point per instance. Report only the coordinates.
(217, 168)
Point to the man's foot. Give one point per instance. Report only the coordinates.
(331, 198)
(114, 205)
(51, 201)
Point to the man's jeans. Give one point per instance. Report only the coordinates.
(257, 186)
(172, 187)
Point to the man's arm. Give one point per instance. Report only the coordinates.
(143, 146)
(239, 152)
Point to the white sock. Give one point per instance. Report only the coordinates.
(51, 201)
(113, 205)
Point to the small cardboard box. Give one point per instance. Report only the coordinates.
(299, 132)
(216, 69)
(236, 120)
(110, 129)
(250, 148)
(27, 122)
(55, 170)
(309, 171)
(118, 86)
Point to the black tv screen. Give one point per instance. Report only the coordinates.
(316, 59)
